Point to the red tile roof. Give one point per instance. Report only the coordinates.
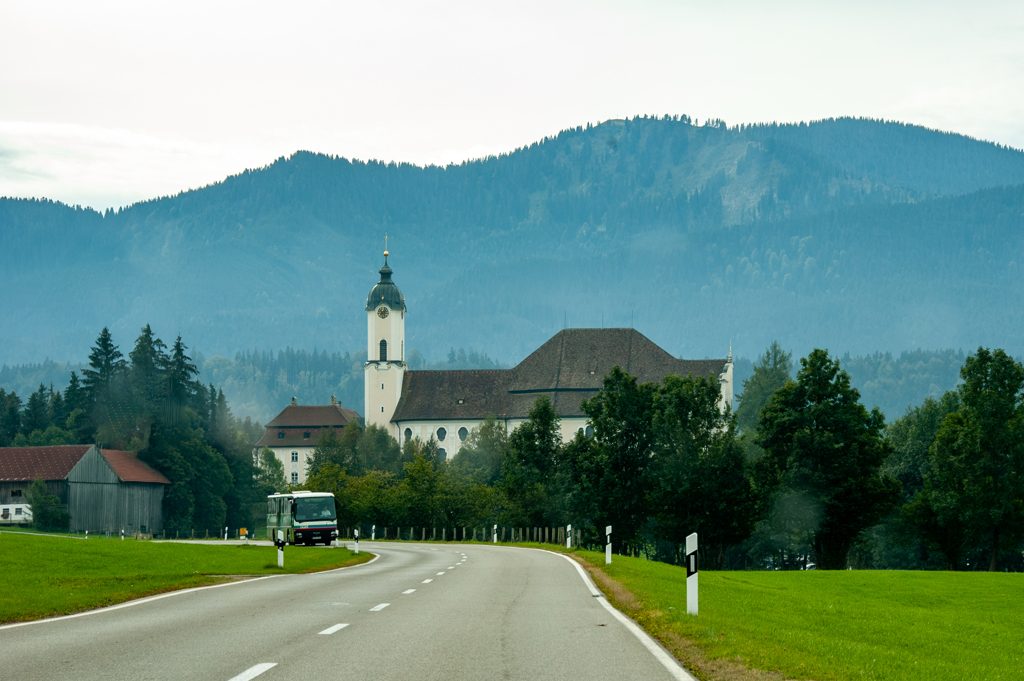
(130, 469)
(32, 463)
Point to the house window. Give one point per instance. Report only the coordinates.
(383, 351)
(441, 434)
(17, 511)
(463, 433)
(305, 435)
(280, 436)
(295, 457)
(295, 478)
(15, 493)
(408, 433)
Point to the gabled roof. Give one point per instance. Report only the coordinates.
(579, 359)
(436, 394)
(309, 416)
(32, 463)
(129, 468)
(569, 368)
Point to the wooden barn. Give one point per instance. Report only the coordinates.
(103, 490)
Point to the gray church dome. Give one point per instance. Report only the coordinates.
(385, 292)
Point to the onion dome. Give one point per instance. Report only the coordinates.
(385, 292)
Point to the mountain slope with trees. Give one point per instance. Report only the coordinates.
(849, 234)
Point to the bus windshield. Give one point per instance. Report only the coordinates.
(316, 508)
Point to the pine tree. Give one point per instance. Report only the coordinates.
(105, 362)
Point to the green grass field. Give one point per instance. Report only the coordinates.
(838, 625)
(57, 575)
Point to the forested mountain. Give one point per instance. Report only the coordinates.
(853, 235)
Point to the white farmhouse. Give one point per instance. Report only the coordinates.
(293, 434)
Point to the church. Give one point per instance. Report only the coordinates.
(447, 405)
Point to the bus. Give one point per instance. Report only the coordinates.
(304, 517)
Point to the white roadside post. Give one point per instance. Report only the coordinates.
(87, 534)
(495, 534)
(373, 533)
(568, 536)
(225, 534)
(691, 574)
(122, 534)
(608, 545)
(357, 541)
(280, 548)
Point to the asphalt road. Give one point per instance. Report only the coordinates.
(416, 612)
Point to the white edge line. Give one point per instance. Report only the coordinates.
(253, 672)
(663, 656)
(150, 599)
(330, 630)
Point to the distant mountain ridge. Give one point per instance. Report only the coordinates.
(849, 234)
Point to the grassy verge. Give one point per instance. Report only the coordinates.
(45, 576)
(826, 625)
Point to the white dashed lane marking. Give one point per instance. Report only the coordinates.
(427, 581)
(330, 630)
(439, 574)
(407, 592)
(378, 608)
(253, 672)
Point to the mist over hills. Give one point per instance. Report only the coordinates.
(854, 235)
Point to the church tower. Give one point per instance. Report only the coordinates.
(385, 350)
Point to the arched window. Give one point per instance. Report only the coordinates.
(442, 454)
(441, 434)
(408, 433)
(463, 433)
(383, 350)
(295, 478)
(590, 431)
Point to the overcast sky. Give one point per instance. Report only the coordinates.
(104, 104)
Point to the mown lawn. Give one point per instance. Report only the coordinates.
(57, 575)
(838, 625)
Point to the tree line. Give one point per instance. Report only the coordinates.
(802, 472)
(152, 403)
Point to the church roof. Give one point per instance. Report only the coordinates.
(385, 291)
(569, 368)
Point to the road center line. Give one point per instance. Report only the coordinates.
(253, 672)
(427, 581)
(439, 574)
(407, 592)
(378, 608)
(451, 567)
(330, 630)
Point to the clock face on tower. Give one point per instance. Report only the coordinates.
(382, 312)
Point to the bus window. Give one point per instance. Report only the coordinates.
(315, 508)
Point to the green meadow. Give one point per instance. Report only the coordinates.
(833, 624)
(58, 575)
